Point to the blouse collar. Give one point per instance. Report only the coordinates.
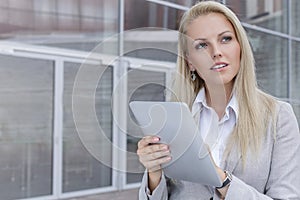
(200, 102)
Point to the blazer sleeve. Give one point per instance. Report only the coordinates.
(284, 181)
(160, 192)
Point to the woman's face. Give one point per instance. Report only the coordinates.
(213, 49)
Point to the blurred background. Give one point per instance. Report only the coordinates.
(43, 43)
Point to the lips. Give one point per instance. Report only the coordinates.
(219, 66)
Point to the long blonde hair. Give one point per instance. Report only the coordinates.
(256, 108)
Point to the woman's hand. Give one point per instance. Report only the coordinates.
(152, 155)
(222, 175)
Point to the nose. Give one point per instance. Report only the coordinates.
(216, 52)
(217, 55)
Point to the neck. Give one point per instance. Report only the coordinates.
(218, 97)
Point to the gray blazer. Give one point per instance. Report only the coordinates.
(274, 174)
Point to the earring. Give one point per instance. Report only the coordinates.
(193, 75)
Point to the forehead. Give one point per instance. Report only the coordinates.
(209, 25)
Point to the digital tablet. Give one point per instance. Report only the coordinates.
(175, 125)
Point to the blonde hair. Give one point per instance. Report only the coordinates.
(255, 107)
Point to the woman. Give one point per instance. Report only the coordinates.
(257, 151)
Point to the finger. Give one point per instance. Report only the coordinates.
(154, 148)
(147, 140)
(157, 163)
(153, 156)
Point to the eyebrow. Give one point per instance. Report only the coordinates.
(218, 35)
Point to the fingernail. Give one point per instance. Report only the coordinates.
(156, 139)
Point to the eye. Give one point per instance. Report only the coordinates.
(201, 45)
(226, 39)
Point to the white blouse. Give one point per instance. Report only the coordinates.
(215, 132)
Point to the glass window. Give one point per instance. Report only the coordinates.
(147, 86)
(295, 17)
(81, 170)
(150, 15)
(70, 24)
(160, 50)
(26, 99)
(270, 54)
(146, 30)
(295, 90)
(271, 14)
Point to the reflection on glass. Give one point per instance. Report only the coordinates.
(26, 99)
(140, 14)
(80, 169)
(271, 14)
(71, 24)
(271, 59)
(147, 86)
(295, 90)
(156, 53)
(295, 17)
(156, 43)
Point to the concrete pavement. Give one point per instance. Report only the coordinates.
(122, 195)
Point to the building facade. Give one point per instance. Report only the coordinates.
(56, 143)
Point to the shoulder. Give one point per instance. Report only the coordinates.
(286, 121)
(284, 109)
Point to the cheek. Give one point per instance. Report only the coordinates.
(201, 60)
